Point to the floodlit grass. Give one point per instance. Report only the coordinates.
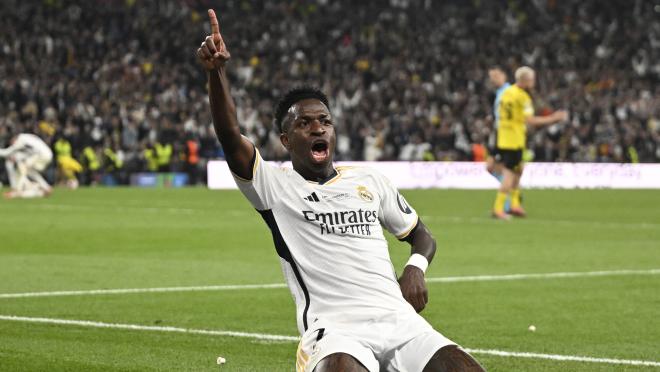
(138, 238)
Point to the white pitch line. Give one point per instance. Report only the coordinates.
(567, 358)
(545, 222)
(284, 338)
(143, 290)
(114, 208)
(488, 278)
(137, 327)
(448, 279)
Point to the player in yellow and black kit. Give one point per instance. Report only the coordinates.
(515, 112)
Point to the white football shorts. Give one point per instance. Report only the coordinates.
(401, 341)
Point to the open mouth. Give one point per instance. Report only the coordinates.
(320, 151)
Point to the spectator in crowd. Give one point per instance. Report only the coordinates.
(407, 81)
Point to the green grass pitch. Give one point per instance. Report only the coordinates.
(138, 238)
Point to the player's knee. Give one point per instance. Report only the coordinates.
(339, 362)
(452, 359)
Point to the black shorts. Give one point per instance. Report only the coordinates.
(511, 159)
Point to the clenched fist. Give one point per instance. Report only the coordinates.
(413, 287)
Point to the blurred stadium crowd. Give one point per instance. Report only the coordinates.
(116, 84)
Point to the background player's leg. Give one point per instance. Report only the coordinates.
(39, 179)
(497, 171)
(493, 169)
(516, 206)
(504, 191)
(70, 167)
(339, 362)
(11, 173)
(452, 359)
(22, 181)
(31, 190)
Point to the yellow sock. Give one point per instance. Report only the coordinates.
(515, 198)
(500, 199)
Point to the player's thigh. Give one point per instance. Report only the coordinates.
(518, 175)
(70, 165)
(323, 347)
(30, 161)
(41, 164)
(340, 362)
(490, 163)
(508, 179)
(452, 358)
(21, 164)
(520, 169)
(498, 167)
(517, 162)
(415, 354)
(10, 164)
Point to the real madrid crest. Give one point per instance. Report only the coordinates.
(365, 194)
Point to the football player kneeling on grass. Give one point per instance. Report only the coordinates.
(26, 158)
(327, 224)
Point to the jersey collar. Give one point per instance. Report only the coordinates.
(330, 179)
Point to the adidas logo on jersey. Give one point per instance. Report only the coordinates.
(312, 197)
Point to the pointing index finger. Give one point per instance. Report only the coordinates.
(215, 27)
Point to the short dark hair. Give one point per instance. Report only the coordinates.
(294, 96)
(497, 67)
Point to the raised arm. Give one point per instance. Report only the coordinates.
(413, 286)
(213, 55)
(4, 153)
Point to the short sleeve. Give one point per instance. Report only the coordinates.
(261, 190)
(528, 108)
(396, 215)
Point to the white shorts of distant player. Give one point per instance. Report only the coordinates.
(24, 171)
(402, 341)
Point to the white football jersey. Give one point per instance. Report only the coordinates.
(28, 145)
(329, 237)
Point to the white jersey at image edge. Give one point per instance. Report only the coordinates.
(28, 145)
(329, 237)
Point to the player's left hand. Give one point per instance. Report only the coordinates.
(413, 287)
(560, 115)
(213, 53)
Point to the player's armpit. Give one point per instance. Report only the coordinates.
(242, 161)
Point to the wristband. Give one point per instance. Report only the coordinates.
(418, 261)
